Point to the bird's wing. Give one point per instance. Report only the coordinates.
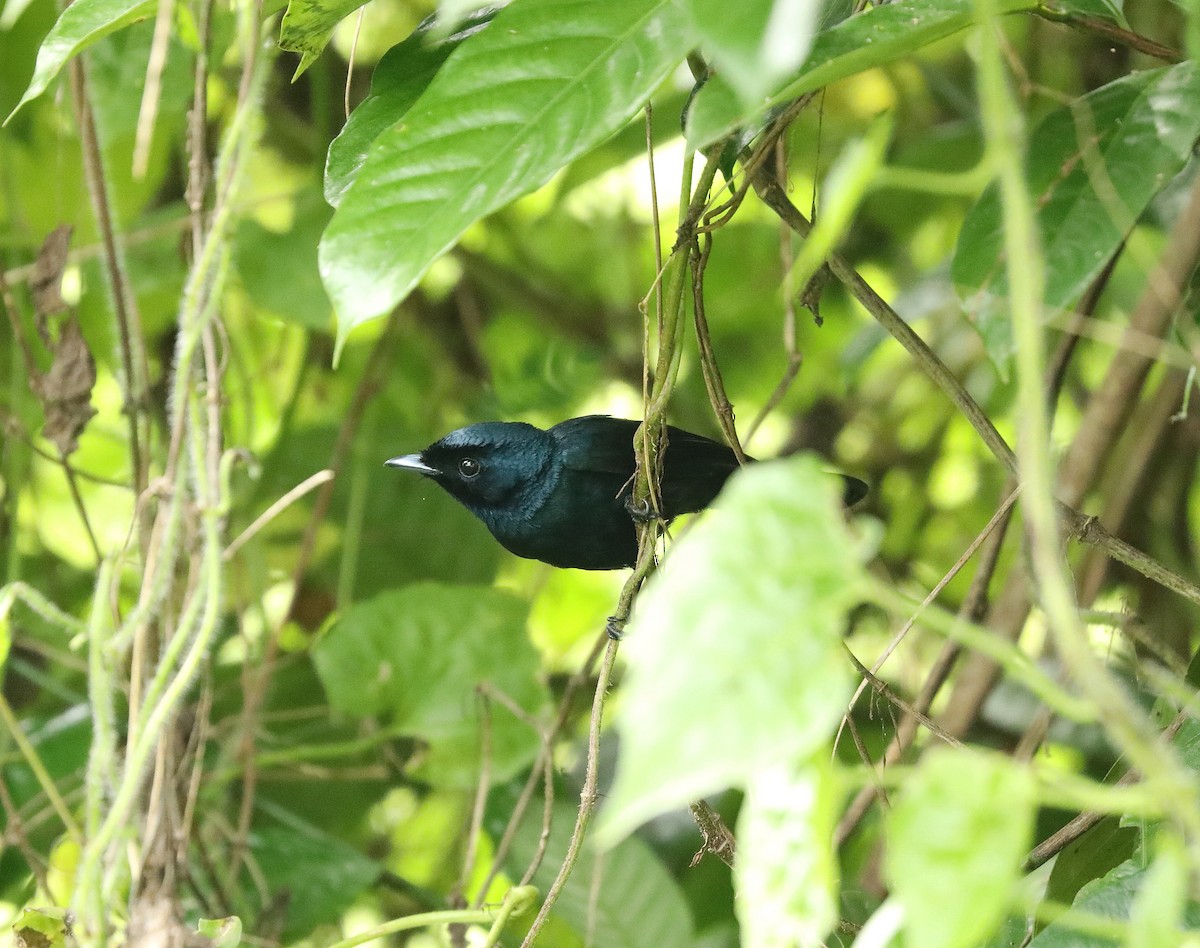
(597, 443)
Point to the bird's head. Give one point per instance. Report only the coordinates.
(485, 465)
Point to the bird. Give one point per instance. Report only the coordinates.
(561, 495)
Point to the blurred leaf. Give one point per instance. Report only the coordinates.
(754, 44)
(962, 824)
(416, 656)
(1157, 911)
(513, 104)
(279, 271)
(78, 26)
(786, 870)
(622, 898)
(735, 647)
(318, 875)
(881, 35)
(1140, 131)
(400, 78)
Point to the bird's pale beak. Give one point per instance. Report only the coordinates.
(411, 462)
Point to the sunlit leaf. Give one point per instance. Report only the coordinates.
(513, 104)
(962, 824)
(735, 650)
(786, 870)
(398, 81)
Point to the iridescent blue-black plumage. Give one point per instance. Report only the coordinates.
(559, 495)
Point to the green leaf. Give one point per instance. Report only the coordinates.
(416, 656)
(754, 44)
(308, 25)
(625, 898)
(400, 77)
(515, 103)
(1158, 909)
(1140, 132)
(320, 874)
(962, 824)
(881, 35)
(1111, 897)
(80, 25)
(786, 871)
(1104, 846)
(735, 648)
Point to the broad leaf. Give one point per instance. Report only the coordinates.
(735, 650)
(546, 82)
(881, 35)
(398, 81)
(1139, 133)
(80, 25)
(416, 657)
(962, 824)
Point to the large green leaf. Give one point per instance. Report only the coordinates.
(416, 657)
(1139, 132)
(735, 649)
(80, 25)
(513, 104)
(961, 825)
(398, 81)
(883, 34)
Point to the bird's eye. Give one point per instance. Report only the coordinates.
(468, 467)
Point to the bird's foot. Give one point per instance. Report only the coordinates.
(640, 512)
(615, 628)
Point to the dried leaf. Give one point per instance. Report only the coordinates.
(66, 390)
(46, 281)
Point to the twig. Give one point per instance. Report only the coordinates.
(128, 320)
(293, 495)
(718, 839)
(587, 796)
(542, 770)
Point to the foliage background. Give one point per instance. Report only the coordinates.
(320, 770)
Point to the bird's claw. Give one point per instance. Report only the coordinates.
(640, 511)
(615, 628)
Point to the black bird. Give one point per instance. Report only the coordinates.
(559, 496)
